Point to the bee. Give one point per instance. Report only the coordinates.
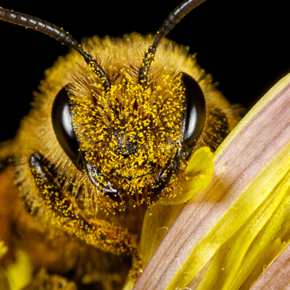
(110, 133)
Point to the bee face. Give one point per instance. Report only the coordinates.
(129, 139)
(129, 134)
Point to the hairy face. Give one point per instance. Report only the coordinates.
(129, 133)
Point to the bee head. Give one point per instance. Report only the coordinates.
(131, 134)
(130, 139)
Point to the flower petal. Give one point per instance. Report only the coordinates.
(160, 217)
(277, 276)
(198, 175)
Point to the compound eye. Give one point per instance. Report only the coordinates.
(195, 111)
(63, 127)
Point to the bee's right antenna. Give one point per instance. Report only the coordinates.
(173, 18)
(58, 34)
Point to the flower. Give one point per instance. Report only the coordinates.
(229, 235)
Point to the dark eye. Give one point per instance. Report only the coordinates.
(195, 111)
(63, 128)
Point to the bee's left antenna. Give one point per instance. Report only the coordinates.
(58, 34)
(173, 18)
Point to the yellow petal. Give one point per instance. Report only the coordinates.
(198, 175)
(155, 226)
(200, 163)
(277, 275)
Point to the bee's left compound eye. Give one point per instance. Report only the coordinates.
(195, 111)
(63, 128)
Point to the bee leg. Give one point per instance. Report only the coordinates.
(66, 216)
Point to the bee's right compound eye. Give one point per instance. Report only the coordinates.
(63, 127)
(193, 122)
(195, 110)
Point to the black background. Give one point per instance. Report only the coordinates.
(244, 45)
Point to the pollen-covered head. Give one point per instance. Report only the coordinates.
(129, 133)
